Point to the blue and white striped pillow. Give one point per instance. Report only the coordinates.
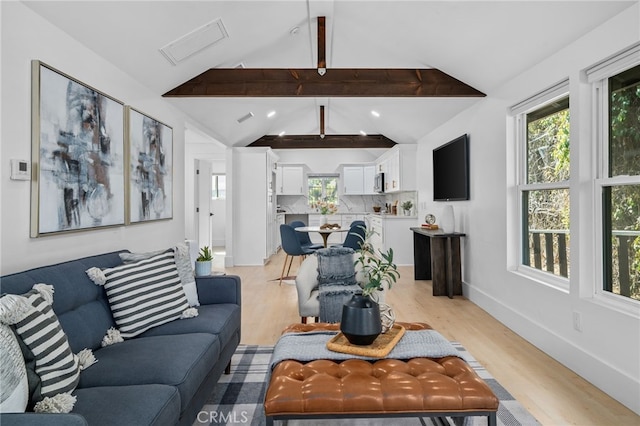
(145, 294)
(37, 326)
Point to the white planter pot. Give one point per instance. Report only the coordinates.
(447, 220)
(203, 268)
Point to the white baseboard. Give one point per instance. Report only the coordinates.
(598, 372)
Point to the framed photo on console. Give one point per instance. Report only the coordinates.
(150, 168)
(77, 155)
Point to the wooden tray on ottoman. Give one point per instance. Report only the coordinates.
(380, 347)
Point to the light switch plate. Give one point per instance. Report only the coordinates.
(20, 170)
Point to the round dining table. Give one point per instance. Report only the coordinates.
(324, 232)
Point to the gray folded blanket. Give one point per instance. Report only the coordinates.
(336, 281)
(313, 345)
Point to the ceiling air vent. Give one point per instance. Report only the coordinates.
(195, 41)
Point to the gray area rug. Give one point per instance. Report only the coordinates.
(238, 397)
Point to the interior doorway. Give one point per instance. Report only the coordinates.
(207, 221)
(211, 208)
(218, 215)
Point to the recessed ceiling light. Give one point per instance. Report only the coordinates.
(245, 117)
(281, 133)
(271, 114)
(363, 133)
(375, 113)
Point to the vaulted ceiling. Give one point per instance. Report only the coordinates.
(480, 43)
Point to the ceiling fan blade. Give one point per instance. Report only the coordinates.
(337, 82)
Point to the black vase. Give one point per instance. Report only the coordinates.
(361, 320)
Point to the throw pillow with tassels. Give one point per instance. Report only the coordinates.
(143, 294)
(58, 370)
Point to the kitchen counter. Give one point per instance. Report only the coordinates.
(392, 216)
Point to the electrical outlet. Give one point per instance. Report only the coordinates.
(577, 321)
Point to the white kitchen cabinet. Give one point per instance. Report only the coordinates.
(348, 219)
(353, 180)
(358, 179)
(369, 173)
(377, 235)
(290, 180)
(280, 220)
(393, 232)
(399, 165)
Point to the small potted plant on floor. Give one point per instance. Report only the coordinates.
(406, 206)
(203, 262)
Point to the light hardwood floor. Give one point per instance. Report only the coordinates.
(552, 393)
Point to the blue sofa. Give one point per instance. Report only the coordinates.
(161, 377)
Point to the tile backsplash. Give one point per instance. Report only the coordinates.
(349, 203)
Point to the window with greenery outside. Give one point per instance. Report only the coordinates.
(545, 195)
(621, 203)
(323, 191)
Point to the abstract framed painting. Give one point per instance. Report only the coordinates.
(77, 155)
(150, 168)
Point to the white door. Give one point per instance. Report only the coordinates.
(203, 205)
(218, 209)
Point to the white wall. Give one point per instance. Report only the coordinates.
(607, 351)
(26, 36)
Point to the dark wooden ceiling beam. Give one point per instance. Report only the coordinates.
(337, 82)
(322, 45)
(329, 141)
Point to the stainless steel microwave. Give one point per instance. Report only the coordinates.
(378, 182)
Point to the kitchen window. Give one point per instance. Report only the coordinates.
(323, 188)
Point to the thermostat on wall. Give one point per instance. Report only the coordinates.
(20, 170)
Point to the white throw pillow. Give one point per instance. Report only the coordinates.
(14, 387)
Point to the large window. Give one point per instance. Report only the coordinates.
(544, 187)
(621, 183)
(323, 188)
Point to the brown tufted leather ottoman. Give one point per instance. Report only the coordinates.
(418, 387)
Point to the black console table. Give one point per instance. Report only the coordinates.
(436, 257)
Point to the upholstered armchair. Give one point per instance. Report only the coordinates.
(307, 287)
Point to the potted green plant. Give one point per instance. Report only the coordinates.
(361, 323)
(406, 206)
(203, 262)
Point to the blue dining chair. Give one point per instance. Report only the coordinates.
(355, 236)
(292, 247)
(305, 240)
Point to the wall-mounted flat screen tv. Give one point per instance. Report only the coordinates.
(451, 170)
